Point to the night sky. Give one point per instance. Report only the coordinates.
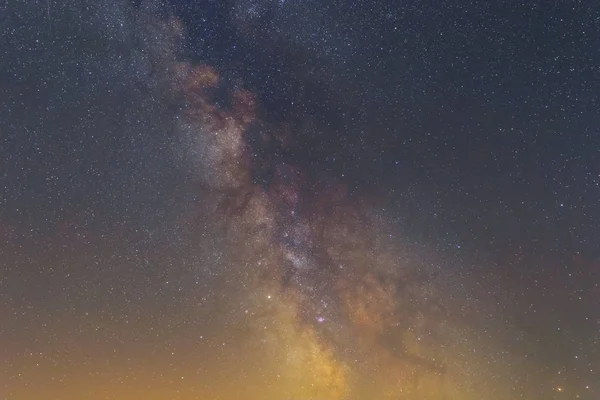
(299, 200)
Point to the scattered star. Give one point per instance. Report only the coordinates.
(299, 200)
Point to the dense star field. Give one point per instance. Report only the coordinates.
(299, 199)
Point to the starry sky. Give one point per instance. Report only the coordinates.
(299, 199)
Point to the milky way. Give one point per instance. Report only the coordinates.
(342, 311)
(273, 200)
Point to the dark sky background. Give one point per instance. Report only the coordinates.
(299, 199)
